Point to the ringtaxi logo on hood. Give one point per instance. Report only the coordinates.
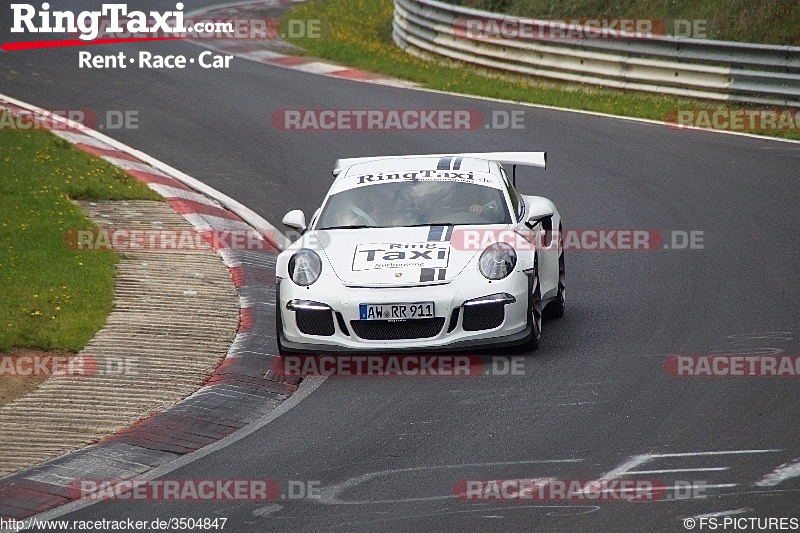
(401, 255)
(87, 23)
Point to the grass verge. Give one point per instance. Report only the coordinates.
(359, 33)
(54, 298)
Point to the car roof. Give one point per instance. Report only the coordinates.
(447, 168)
(422, 163)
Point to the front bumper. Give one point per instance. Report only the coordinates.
(324, 317)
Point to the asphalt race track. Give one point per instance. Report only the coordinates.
(387, 452)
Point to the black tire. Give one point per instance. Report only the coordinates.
(281, 350)
(278, 321)
(555, 309)
(535, 310)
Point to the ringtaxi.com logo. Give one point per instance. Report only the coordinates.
(396, 120)
(87, 23)
(221, 28)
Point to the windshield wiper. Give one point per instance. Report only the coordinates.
(430, 224)
(348, 226)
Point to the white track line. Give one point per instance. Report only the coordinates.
(307, 386)
(403, 84)
(782, 473)
(719, 514)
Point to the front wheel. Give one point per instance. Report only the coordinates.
(555, 309)
(278, 321)
(535, 310)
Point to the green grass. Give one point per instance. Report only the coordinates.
(762, 21)
(358, 33)
(53, 298)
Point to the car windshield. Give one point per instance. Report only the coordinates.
(414, 203)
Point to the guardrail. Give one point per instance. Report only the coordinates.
(693, 68)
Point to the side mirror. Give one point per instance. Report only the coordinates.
(539, 217)
(295, 219)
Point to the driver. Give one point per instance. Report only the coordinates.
(372, 209)
(376, 209)
(484, 203)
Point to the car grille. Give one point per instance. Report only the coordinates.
(484, 316)
(384, 330)
(315, 321)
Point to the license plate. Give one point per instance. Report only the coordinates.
(396, 311)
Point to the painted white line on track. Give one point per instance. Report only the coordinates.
(627, 468)
(173, 192)
(719, 514)
(680, 470)
(308, 386)
(683, 487)
(79, 139)
(330, 494)
(203, 222)
(555, 510)
(318, 67)
(722, 452)
(782, 473)
(603, 115)
(405, 84)
(268, 509)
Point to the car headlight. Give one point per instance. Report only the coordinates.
(497, 261)
(305, 267)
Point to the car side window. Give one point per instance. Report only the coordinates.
(512, 194)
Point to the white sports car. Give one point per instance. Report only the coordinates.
(421, 252)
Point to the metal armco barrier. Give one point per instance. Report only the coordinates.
(693, 68)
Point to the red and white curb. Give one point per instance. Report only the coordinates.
(251, 52)
(202, 206)
(236, 396)
(309, 65)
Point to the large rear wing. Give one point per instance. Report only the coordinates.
(530, 159)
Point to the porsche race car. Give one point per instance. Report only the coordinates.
(418, 253)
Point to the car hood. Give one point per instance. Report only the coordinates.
(394, 256)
